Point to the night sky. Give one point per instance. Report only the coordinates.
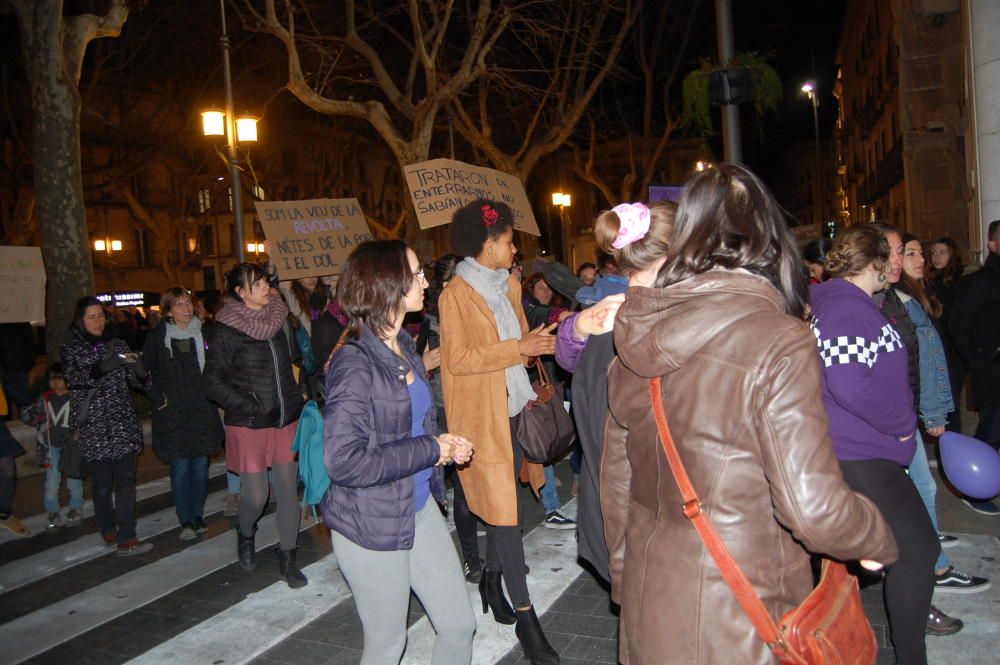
(798, 34)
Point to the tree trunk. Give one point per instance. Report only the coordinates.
(62, 223)
(53, 48)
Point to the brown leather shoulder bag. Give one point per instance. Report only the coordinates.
(829, 627)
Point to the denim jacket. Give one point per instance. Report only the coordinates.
(935, 388)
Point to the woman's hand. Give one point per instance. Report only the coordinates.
(600, 318)
(936, 431)
(432, 358)
(563, 315)
(463, 448)
(538, 342)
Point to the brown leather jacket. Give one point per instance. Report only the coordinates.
(741, 390)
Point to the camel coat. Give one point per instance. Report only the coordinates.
(473, 360)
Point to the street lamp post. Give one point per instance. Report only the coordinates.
(562, 201)
(810, 89)
(244, 129)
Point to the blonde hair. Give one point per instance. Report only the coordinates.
(644, 252)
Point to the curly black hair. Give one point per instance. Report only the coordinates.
(474, 223)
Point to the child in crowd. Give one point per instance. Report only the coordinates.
(50, 414)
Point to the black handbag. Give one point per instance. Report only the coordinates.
(544, 428)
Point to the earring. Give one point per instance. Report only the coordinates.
(882, 277)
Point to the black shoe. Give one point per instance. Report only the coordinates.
(199, 525)
(473, 569)
(246, 552)
(939, 623)
(533, 641)
(492, 596)
(288, 571)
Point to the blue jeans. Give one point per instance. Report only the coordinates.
(53, 477)
(549, 493)
(920, 474)
(189, 484)
(232, 482)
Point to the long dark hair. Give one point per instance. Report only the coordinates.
(311, 301)
(728, 219)
(915, 287)
(373, 285)
(955, 266)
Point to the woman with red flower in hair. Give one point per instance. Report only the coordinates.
(485, 343)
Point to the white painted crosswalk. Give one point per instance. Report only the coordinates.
(37, 523)
(263, 618)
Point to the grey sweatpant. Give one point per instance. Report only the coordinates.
(381, 583)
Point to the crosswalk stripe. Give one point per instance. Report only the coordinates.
(258, 623)
(551, 554)
(262, 621)
(38, 523)
(39, 631)
(32, 568)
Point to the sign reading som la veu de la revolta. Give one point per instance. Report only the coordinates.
(312, 238)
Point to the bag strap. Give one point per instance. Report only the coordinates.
(543, 375)
(731, 572)
(341, 341)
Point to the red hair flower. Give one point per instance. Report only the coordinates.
(490, 216)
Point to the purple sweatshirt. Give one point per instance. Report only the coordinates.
(568, 347)
(866, 387)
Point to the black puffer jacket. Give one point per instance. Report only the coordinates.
(251, 379)
(185, 423)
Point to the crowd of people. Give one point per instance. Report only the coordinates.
(798, 386)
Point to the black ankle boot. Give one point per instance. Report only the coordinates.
(492, 596)
(246, 552)
(473, 569)
(529, 633)
(288, 571)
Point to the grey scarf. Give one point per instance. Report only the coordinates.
(492, 286)
(193, 332)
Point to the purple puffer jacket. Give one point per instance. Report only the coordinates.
(367, 447)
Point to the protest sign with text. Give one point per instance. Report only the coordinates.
(22, 285)
(312, 238)
(440, 186)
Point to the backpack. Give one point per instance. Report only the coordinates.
(308, 444)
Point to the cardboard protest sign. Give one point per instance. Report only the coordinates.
(439, 186)
(22, 285)
(312, 238)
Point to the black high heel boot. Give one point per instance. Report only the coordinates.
(533, 641)
(492, 596)
(288, 571)
(246, 551)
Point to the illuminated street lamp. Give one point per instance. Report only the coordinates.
(561, 200)
(255, 248)
(809, 87)
(108, 246)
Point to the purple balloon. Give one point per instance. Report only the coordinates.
(971, 465)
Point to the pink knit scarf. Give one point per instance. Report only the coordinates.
(260, 324)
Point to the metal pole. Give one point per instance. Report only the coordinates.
(732, 145)
(818, 208)
(234, 171)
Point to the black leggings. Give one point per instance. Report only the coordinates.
(465, 521)
(8, 481)
(909, 583)
(505, 547)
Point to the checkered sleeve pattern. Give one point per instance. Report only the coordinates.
(845, 349)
